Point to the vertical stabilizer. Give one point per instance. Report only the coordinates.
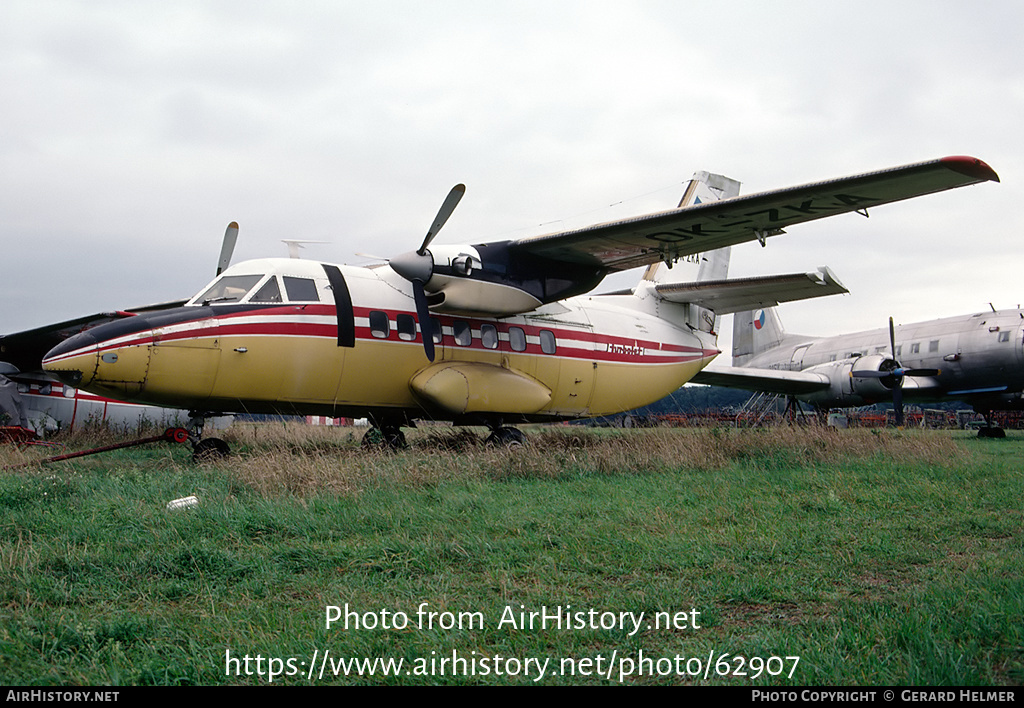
(713, 265)
(754, 332)
(702, 188)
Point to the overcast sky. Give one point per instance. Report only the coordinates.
(132, 133)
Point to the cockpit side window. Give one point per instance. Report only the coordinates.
(301, 289)
(270, 292)
(229, 288)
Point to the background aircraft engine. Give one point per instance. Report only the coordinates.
(872, 377)
(848, 384)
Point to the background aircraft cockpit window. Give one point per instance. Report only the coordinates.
(230, 288)
(301, 289)
(270, 292)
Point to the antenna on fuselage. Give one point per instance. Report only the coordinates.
(295, 244)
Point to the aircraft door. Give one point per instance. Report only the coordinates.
(566, 364)
(796, 362)
(184, 366)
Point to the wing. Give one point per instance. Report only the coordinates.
(788, 383)
(666, 236)
(739, 294)
(25, 350)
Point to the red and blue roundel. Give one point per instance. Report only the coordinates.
(759, 319)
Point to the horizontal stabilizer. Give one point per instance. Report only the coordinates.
(739, 294)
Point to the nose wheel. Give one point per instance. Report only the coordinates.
(205, 449)
(210, 450)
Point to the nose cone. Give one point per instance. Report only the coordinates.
(74, 361)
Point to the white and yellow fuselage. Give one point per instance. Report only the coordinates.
(285, 340)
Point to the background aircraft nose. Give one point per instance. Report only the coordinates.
(74, 360)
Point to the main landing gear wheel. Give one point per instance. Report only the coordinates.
(210, 450)
(388, 438)
(991, 432)
(506, 437)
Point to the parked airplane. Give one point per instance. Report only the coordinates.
(978, 359)
(490, 334)
(32, 399)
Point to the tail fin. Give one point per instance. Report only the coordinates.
(702, 188)
(714, 265)
(754, 332)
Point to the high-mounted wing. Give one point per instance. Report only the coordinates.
(668, 235)
(510, 277)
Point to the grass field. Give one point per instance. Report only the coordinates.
(757, 557)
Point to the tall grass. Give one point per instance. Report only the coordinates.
(303, 460)
(888, 557)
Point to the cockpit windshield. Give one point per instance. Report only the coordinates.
(229, 288)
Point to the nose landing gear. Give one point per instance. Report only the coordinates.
(205, 449)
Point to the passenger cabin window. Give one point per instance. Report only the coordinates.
(489, 336)
(517, 339)
(915, 348)
(547, 341)
(230, 288)
(463, 333)
(933, 346)
(301, 289)
(379, 325)
(435, 327)
(406, 327)
(1004, 336)
(270, 292)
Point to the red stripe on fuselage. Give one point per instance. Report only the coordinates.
(618, 349)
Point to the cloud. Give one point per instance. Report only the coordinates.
(134, 132)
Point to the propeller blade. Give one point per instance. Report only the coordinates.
(423, 315)
(450, 202)
(227, 247)
(922, 372)
(870, 374)
(892, 338)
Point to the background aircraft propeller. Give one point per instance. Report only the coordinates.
(895, 375)
(227, 247)
(418, 266)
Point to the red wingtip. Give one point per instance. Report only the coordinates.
(970, 166)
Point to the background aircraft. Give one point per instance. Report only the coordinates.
(486, 334)
(978, 359)
(32, 399)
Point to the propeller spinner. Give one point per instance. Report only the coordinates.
(896, 375)
(418, 266)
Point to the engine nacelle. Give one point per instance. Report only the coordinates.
(847, 389)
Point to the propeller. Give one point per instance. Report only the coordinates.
(227, 247)
(896, 374)
(418, 266)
